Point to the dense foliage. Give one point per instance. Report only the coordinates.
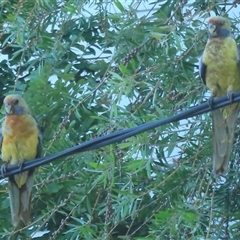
(88, 68)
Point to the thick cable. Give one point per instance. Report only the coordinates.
(123, 134)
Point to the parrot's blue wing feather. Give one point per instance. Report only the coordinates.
(39, 146)
(1, 138)
(202, 70)
(238, 56)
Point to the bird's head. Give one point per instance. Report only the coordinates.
(15, 105)
(219, 27)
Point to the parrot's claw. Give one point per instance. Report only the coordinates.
(210, 102)
(3, 169)
(20, 164)
(230, 96)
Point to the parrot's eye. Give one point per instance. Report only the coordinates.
(221, 23)
(16, 102)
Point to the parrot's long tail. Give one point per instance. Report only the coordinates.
(20, 200)
(224, 124)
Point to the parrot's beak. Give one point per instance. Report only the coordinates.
(212, 28)
(8, 108)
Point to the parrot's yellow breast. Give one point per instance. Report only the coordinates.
(222, 72)
(20, 138)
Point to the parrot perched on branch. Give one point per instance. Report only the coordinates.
(220, 71)
(20, 141)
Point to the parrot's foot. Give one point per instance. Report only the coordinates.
(3, 169)
(210, 102)
(230, 95)
(20, 164)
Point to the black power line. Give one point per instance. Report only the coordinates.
(122, 134)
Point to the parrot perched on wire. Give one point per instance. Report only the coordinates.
(219, 69)
(20, 141)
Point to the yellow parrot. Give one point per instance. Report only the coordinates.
(219, 69)
(20, 141)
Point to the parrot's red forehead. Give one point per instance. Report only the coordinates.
(215, 21)
(10, 99)
(219, 21)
